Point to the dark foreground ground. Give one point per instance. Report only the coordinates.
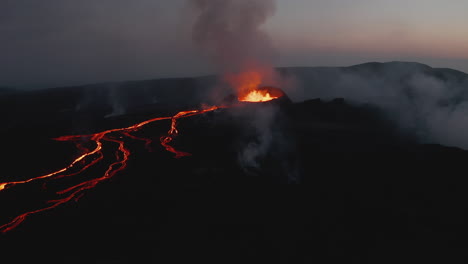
(335, 184)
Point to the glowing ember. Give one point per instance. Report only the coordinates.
(113, 138)
(257, 96)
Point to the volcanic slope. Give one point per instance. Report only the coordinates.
(365, 192)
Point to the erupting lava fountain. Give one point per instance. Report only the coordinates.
(263, 94)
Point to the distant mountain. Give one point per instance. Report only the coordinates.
(427, 102)
(312, 82)
(380, 84)
(332, 82)
(6, 90)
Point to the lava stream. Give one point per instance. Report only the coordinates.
(91, 157)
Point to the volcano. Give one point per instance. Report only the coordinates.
(363, 184)
(265, 94)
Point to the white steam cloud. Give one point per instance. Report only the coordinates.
(429, 103)
(263, 120)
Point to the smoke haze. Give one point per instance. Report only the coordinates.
(429, 103)
(229, 32)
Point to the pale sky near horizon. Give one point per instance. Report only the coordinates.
(431, 30)
(66, 42)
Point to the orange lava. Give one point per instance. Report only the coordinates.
(90, 157)
(258, 96)
(248, 87)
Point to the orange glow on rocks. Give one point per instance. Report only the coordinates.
(249, 86)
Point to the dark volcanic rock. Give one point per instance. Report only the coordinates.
(365, 192)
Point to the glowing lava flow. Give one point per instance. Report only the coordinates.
(90, 157)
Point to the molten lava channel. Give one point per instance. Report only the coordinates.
(116, 139)
(90, 157)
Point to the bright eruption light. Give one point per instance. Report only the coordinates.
(257, 96)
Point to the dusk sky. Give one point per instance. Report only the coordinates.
(66, 42)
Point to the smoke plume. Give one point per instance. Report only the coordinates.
(229, 32)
